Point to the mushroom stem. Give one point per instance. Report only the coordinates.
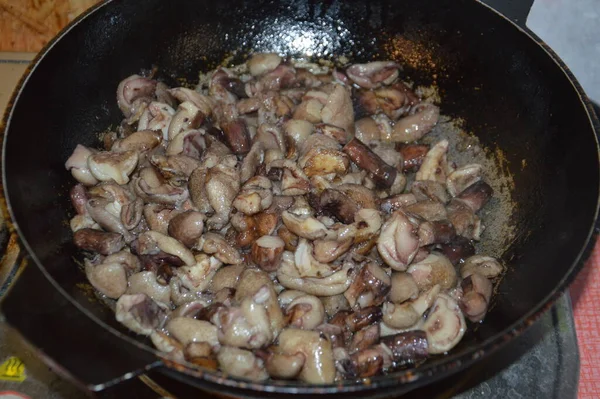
(98, 241)
(237, 136)
(477, 195)
(383, 174)
(413, 156)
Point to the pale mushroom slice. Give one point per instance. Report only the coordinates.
(445, 325)
(113, 166)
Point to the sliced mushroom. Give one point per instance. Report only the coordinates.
(256, 195)
(187, 331)
(435, 165)
(284, 366)
(267, 252)
(187, 117)
(421, 120)
(369, 287)
(333, 284)
(457, 250)
(241, 363)
(395, 202)
(132, 88)
(398, 242)
(139, 313)
(146, 283)
(336, 203)
(400, 316)
(154, 239)
(365, 158)
(294, 181)
(484, 265)
(112, 166)
(305, 312)
(324, 161)
(108, 278)
(464, 220)
(403, 287)
(226, 277)
(151, 187)
(167, 345)
(409, 347)
(373, 74)
(327, 251)
(261, 63)
(445, 325)
(319, 367)
(204, 103)
(304, 226)
(364, 338)
(187, 227)
(130, 262)
(157, 116)
(251, 281)
(433, 270)
(476, 294)
(335, 303)
(463, 177)
(429, 190)
(246, 326)
(78, 165)
(440, 232)
(98, 241)
(476, 195)
(252, 161)
(413, 156)
(432, 211)
(215, 244)
(197, 277)
(338, 109)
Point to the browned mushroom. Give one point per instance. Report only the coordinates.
(98, 241)
(369, 288)
(439, 232)
(476, 195)
(364, 338)
(365, 158)
(267, 252)
(237, 136)
(457, 250)
(432, 211)
(413, 156)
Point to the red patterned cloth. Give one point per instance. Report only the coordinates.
(585, 293)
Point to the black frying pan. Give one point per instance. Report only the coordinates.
(510, 90)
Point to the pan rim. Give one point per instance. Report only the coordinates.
(440, 367)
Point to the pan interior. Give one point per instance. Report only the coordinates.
(493, 81)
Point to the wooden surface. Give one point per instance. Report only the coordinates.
(27, 25)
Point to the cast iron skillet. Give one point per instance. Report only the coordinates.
(511, 91)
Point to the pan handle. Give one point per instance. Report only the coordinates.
(69, 341)
(515, 10)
